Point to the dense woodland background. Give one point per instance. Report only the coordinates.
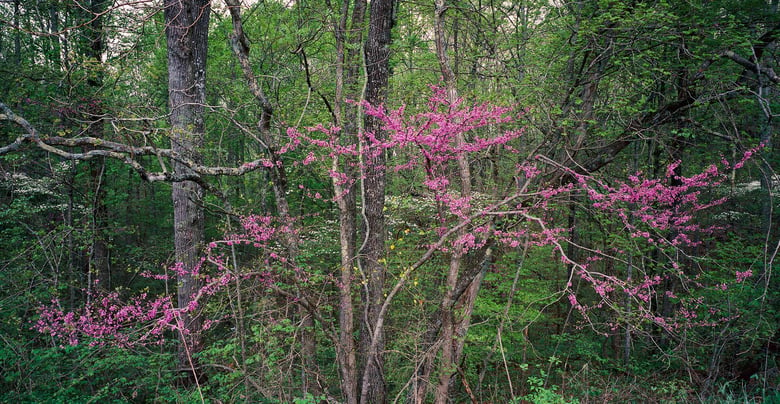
(201, 203)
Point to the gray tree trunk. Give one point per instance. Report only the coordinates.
(372, 344)
(186, 30)
(348, 67)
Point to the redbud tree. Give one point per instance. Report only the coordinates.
(520, 212)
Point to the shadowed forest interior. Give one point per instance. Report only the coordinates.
(344, 201)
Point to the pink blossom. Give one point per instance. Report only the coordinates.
(573, 301)
(741, 276)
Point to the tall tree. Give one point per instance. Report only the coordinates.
(186, 32)
(99, 260)
(377, 64)
(451, 344)
(348, 32)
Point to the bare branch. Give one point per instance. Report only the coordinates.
(240, 44)
(752, 66)
(128, 154)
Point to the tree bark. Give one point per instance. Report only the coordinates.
(454, 326)
(377, 55)
(99, 260)
(348, 65)
(186, 30)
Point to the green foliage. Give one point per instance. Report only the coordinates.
(638, 58)
(543, 395)
(309, 399)
(87, 374)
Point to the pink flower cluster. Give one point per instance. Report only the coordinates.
(661, 205)
(109, 320)
(433, 140)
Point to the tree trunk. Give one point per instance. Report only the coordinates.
(348, 66)
(377, 55)
(767, 174)
(17, 55)
(99, 260)
(186, 29)
(98, 263)
(452, 324)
